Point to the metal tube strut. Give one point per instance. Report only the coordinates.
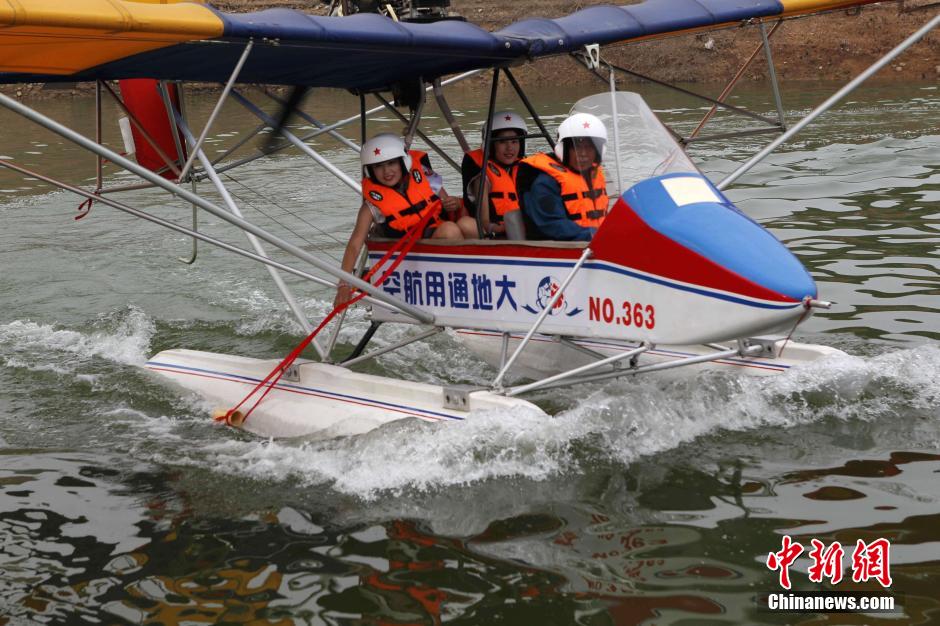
(704, 358)
(170, 116)
(217, 109)
(772, 70)
(291, 137)
(529, 107)
(733, 82)
(440, 151)
(578, 370)
(449, 115)
(724, 105)
(613, 112)
(182, 229)
(831, 101)
(395, 346)
(483, 203)
(541, 318)
(99, 165)
(259, 249)
(303, 255)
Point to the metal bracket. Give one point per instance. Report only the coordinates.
(458, 396)
(292, 373)
(768, 346)
(592, 56)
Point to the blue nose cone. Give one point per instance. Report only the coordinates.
(690, 211)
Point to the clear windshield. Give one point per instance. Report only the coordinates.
(646, 148)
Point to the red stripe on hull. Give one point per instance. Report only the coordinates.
(626, 240)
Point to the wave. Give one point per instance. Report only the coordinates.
(124, 337)
(619, 423)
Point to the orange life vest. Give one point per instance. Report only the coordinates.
(586, 205)
(403, 209)
(503, 195)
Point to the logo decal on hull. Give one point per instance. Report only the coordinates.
(547, 288)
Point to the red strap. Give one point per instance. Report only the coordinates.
(806, 307)
(405, 244)
(84, 208)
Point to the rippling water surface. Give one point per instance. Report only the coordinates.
(639, 502)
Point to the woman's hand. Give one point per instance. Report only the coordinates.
(344, 294)
(450, 203)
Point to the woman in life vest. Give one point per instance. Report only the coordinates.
(564, 195)
(398, 189)
(507, 145)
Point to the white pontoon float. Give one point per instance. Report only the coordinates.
(676, 278)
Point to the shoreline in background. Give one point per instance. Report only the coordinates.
(803, 49)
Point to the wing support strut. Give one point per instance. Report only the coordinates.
(188, 196)
(587, 254)
(186, 231)
(832, 101)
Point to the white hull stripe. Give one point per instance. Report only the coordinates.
(250, 380)
(617, 269)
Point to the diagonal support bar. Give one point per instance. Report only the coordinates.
(183, 230)
(253, 240)
(587, 254)
(515, 391)
(831, 101)
(437, 149)
(215, 112)
(188, 196)
(291, 137)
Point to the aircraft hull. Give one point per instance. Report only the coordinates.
(673, 263)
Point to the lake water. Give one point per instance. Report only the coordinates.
(638, 502)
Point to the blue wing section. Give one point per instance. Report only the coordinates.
(609, 24)
(368, 51)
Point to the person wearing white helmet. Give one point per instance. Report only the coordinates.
(507, 145)
(399, 189)
(564, 195)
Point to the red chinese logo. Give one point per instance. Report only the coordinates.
(869, 561)
(378, 151)
(827, 563)
(783, 559)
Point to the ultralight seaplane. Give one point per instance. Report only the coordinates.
(677, 277)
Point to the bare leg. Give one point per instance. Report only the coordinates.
(468, 227)
(447, 230)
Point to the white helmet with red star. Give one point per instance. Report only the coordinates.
(582, 125)
(503, 120)
(384, 147)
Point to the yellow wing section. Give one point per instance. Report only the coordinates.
(56, 37)
(802, 7)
